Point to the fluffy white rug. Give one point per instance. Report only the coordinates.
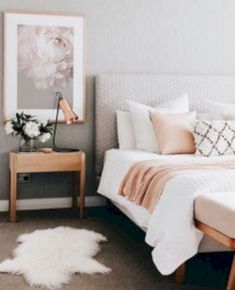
(47, 258)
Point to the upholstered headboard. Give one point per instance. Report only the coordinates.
(112, 90)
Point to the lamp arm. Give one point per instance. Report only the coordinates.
(56, 123)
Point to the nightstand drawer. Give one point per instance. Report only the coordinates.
(41, 162)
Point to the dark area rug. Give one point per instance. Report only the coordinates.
(126, 253)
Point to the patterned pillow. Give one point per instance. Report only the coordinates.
(214, 137)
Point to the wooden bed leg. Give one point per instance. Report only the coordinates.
(180, 274)
(231, 279)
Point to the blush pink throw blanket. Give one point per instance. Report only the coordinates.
(145, 180)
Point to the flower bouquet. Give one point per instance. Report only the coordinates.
(29, 129)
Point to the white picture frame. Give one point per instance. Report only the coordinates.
(43, 53)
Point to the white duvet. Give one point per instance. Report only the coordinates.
(170, 229)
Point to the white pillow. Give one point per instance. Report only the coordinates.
(228, 116)
(213, 138)
(204, 116)
(217, 109)
(143, 129)
(125, 132)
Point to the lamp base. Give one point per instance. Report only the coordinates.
(56, 149)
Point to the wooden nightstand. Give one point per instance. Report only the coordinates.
(51, 162)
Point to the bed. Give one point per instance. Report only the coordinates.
(111, 92)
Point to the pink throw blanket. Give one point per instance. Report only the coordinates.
(145, 180)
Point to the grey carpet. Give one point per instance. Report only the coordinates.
(126, 253)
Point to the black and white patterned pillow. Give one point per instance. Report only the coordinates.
(214, 137)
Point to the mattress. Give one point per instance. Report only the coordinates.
(116, 164)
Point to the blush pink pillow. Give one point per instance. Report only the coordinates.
(173, 132)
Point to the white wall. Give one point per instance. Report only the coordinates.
(132, 36)
(162, 36)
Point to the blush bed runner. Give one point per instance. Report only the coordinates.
(168, 192)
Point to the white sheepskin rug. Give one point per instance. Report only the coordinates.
(48, 258)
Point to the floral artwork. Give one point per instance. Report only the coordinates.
(46, 56)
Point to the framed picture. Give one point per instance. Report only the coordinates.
(43, 54)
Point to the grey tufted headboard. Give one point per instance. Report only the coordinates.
(112, 90)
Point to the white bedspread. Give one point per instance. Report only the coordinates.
(170, 229)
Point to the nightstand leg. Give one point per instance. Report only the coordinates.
(13, 193)
(76, 190)
(82, 186)
(9, 188)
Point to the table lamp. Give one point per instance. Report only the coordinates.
(69, 116)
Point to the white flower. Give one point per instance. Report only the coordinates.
(8, 128)
(31, 129)
(44, 137)
(45, 55)
(43, 122)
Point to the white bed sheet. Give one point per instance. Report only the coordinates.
(116, 164)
